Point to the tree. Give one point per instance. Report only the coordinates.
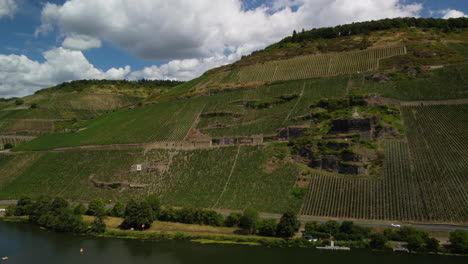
(98, 226)
(96, 207)
(288, 225)
(407, 232)
(118, 210)
(331, 227)
(8, 146)
(40, 208)
(58, 205)
(138, 216)
(267, 227)
(415, 242)
(24, 206)
(347, 227)
(79, 209)
(11, 210)
(377, 241)
(432, 245)
(294, 36)
(19, 102)
(155, 205)
(34, 105)
(249, 221)
(311, 226)
(233, 219)
(459, 241)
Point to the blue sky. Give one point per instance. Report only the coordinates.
(179, 40)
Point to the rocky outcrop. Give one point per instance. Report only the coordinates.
(334, 164)
(292, 132)
(354, 125)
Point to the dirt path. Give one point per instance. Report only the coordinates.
(443, 102)
(294, 107)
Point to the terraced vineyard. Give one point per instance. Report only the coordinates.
(419, 183)
(31, 126)
(312, 66)
(14, 140)
(201, 178)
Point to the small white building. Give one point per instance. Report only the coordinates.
(139, 167)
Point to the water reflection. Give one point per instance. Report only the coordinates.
(26, 244)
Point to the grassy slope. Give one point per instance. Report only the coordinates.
(71, 102)
(171, 120)
(195, 178)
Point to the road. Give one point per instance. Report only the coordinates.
(434, 227)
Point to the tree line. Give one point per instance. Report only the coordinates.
(59, 215)
(446, 25)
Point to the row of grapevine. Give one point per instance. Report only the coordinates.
(312, 66)
(438, 140)
(423, 180)
(389, 197)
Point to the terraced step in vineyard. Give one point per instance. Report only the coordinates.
(312, 66)
(423, 180)
(13, 140)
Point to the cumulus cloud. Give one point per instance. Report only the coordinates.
(7, 8)
(20, 76)
(80, 42)
(182, 29)
(452, 13)
(182, 69)
(189, 36)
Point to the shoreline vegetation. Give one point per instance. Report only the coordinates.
(148, 220)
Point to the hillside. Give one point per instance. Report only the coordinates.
(65, 106)
(364, 125)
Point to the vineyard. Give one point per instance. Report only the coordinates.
(312, 66)
(181, 178)
(449, 82)
(423, 180)
(13, 140)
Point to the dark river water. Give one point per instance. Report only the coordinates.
(23, 243)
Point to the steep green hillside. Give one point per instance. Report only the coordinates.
(65, 106)
(368, 124)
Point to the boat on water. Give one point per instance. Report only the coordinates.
(333, 247)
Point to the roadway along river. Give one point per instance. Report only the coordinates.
(26, 244)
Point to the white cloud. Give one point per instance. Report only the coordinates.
(452, 13)
(20, 76)
(192, 36)
(183, 29)
(183, 69)
(80, 42)
(7, 8)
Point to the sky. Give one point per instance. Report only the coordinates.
(47, 42)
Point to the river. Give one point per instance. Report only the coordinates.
(27, 244)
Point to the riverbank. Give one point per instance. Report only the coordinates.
(168, 231)
(25, 244)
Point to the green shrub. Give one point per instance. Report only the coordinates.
(267, 227)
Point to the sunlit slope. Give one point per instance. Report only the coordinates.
(313, 66)
(61, 107)
(231, 177)
(424, 179)
(225, 113)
